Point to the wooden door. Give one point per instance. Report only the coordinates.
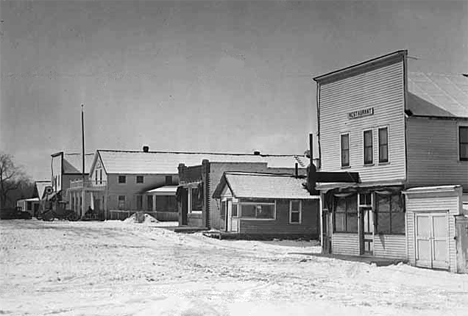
(431, 239)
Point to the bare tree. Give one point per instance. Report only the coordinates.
(12, 178)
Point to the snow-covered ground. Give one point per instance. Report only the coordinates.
(119, 268)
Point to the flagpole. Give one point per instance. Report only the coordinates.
(83, 161)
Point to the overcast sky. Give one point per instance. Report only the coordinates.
(220, 76)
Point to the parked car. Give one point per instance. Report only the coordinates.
(14, 213)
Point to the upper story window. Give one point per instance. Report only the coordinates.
(139, 179)
(168, 180)
(95, 176)
(463, 142)
(345, 150)
(368, 148)
(100, 176)
(122, 179)
(383, 144)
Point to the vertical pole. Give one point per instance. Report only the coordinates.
(83, 160)
(311, 148)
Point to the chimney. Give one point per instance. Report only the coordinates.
(256, 153)
(145, 149)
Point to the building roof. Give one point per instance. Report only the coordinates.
(438, 95)
(263, 186)
(157, 162)
(72, 162)
(40, 187)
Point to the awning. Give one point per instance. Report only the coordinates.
(165, 190)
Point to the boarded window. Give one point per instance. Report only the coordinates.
(463, 142)
(345, 150)
(346, 215)
(390, 214)
(368, 148)
(383, 144)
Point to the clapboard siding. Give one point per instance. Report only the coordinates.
(410, 237)
(345, 244)
(280, 225)
(390, 246)
(382, 89)
(427, 203)
(433, 153)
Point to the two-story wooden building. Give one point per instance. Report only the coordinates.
(398, 130)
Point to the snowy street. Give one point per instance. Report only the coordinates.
(119, 268)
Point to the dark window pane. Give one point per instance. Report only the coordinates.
(340, 222)
(248, 211)
(340, 205)
(295, 217)
(464, 151)
(222, 211)
(383, 136)
(344, 141)
(352, 223)
(234, 210)
(122, 179)
(398, 223)
(383, 204)
(396, 203)
(463, 134)
(345, 150)
(139, 179)
(295, 206)
(149, 203)
(383, 222)
(351, 204)
(368, 151)
(197, 200)
(265, 211)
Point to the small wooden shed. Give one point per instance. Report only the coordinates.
(260, 205)
(431, 227)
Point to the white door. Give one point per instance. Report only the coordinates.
(232, 221)
(431, 232)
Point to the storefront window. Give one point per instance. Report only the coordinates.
(258, 210)
(390, 214)
(346, 219)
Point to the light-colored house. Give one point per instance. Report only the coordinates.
(265, 205)
(398, 130)
(30, 205)
(123, 182)
(198, 208)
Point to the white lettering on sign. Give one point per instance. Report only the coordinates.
(361, 113)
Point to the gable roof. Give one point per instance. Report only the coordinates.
(263, 186)
(40, 187)
(72, 162)
(437, 95)
(158, 162)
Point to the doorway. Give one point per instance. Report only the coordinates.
(431, 236)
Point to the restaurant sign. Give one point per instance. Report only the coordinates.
(361, 113)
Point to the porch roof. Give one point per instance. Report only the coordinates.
(165, 190)
(348, 185)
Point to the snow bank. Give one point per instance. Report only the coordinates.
(141, 219)
(181, 307)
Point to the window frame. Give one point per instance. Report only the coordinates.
(459, 128)
(371, 162)
(124, 179)
(291, 211)
(240, 210)
(139, 177)
(381, 161)
(342, 150)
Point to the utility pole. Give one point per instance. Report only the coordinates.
(83, 161)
